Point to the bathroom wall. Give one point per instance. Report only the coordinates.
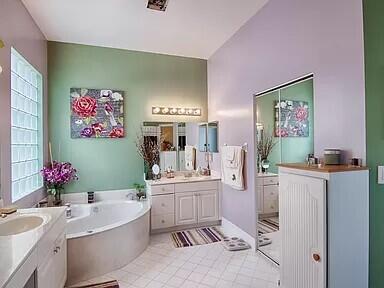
(284, 41)
(18, 30)
(374, 75)
(147, 80)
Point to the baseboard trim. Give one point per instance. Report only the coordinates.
(185, 227)
(230, 229)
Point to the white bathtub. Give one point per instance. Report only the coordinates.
(105, 236)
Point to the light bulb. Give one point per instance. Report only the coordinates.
(156, 110)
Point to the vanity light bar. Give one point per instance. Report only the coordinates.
(176, 111)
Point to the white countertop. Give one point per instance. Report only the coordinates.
(15, 249)
(183, 179)
(268, 174)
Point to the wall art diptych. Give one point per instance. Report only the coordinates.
(291, 118)
(97, 113)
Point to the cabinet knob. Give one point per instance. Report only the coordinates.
(162, 205)
(316, 257)
(162, 221)
(56, 250)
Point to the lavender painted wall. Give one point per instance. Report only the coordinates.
(283, 41)
(18, 30)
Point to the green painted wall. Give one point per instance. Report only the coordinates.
(292, 149)
(374, 75)
(148, 80)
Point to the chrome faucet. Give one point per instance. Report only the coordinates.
(131, 196)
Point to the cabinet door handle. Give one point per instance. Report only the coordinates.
(162, 205)
(162, 221)
(56, 250)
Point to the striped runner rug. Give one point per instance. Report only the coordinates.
(268, 225)
(108, 284)
(198, 236)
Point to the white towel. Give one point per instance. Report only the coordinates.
(190, 157)
(232, 164)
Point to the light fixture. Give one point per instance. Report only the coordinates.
(176, 111)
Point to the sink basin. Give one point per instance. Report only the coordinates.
(20, 224)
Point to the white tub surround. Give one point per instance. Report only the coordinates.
(107, 235)
(180, 202)
(42, 249)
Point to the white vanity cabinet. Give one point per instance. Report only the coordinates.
(267, 190)
(46, 250)
(182, 204)
(324, 226)
(52, 256)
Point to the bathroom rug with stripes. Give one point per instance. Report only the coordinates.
(198, 236)
(268, 225)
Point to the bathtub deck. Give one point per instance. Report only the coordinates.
(163, 265)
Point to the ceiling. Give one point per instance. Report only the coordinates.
(192, 28)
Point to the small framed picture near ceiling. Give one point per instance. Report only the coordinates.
(159, 5)
(291, 118)
(97, 113)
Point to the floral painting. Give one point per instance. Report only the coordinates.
(97, 113)
(291, 118)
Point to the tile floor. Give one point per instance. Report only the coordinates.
(162, 265)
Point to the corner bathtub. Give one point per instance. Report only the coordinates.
(105, 236)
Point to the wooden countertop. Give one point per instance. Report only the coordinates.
(323, 168)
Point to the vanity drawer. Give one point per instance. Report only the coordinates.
(163, 204)
(271, 180)
(162, 221)
(271, 206)
(162, 189)
(271, 192)
(196, 186)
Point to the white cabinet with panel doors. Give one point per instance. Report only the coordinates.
(184, 204)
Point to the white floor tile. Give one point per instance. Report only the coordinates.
(164, 266)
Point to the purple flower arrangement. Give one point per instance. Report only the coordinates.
(57, 174)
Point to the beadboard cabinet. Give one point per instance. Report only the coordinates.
(189, 203)
(324, 226)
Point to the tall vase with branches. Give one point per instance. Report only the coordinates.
(149, 151)
(265, 145)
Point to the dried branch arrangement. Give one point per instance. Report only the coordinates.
(265, 144)
(148, 149)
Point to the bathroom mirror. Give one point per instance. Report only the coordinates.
(285, 116)
(176, 135)
(208, 137)
(284, 121)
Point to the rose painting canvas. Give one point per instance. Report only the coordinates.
(291, 118)
(97, 113)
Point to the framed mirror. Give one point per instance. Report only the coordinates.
(208, 137)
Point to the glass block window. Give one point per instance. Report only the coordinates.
(26, 127)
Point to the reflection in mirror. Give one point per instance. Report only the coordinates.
(203, 137)
(175, 136)
(286, 115)
(208, 135)
(285, 121)
(212, 137)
